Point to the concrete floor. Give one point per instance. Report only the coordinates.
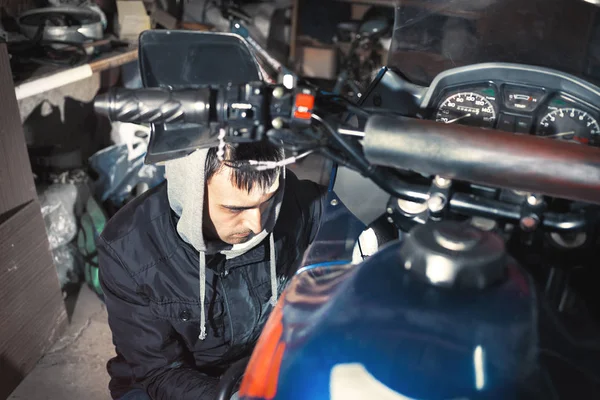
(75, 367)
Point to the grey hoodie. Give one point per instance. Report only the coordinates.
(185, 187)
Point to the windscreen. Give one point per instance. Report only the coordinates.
(431, 36)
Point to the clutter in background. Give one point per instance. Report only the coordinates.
(120, 178)
(62, 25)
(76, 207)
(74, 219)
(63, 34)
(121, 171)
(58, 209)
(58, 205)
(91, 224)
(132, 20)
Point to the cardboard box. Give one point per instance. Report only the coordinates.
(317, 61)
(132, 20)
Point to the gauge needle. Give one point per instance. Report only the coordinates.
(561, 134)
(458, 119)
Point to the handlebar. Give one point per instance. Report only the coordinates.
(157, 106)
(252, 111)
(489, 157)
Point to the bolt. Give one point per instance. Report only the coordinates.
(277, 123)
(442, 182)
(278, 92)
(390, 220)
(257, 91)
(534, 200)
(334, 202)
(436, 202)
(529, 223)
(377, 100)
(408, 264)
(483, 223)
(390, 210)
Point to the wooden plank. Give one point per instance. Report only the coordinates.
(294, 31)
(115, 60)
(194, 26)
(16, 179)
(32, 312)
(60, 76)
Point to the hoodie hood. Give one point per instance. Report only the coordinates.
(185, 189)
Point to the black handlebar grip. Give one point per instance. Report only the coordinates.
(485, 156)
(157, 106)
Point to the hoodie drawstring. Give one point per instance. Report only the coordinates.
(202, 335)
(273, 271)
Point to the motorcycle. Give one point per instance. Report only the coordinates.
(364, 55)
(240, 23)
(456, 256)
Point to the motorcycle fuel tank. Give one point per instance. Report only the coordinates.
(380, 330)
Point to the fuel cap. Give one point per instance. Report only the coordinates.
(455, 255)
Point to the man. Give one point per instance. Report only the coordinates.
(191, 269)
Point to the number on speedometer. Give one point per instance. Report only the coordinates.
(467, 109)
(570, 124)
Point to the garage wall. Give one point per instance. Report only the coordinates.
(32, 312)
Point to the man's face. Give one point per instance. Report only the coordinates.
(236, 215)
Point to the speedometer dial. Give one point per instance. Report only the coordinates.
(570, 124)
(467, 109)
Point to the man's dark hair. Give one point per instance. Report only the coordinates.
(245, 178)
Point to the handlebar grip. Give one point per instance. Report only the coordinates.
(484, 156)
(156, 106)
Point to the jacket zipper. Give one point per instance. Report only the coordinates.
(222, 275)
(256, 301)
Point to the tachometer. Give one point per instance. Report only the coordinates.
(570, 124)
(467, 109)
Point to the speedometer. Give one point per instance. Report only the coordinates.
(570, 124)
(467, 109)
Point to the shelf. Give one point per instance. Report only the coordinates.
(388, 3)
(52, 77)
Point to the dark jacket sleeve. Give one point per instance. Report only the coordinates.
(315, 196)
(149, 356)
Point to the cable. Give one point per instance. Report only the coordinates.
(337, 159)
(364, 164)
(408, 191)
(265, 165)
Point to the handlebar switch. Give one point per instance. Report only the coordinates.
(304, 104)
(246, 111)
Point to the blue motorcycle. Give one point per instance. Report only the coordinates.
(457, 256)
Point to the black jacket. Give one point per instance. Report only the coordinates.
(150, 280)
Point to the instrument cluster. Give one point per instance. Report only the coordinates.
(521, 109)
